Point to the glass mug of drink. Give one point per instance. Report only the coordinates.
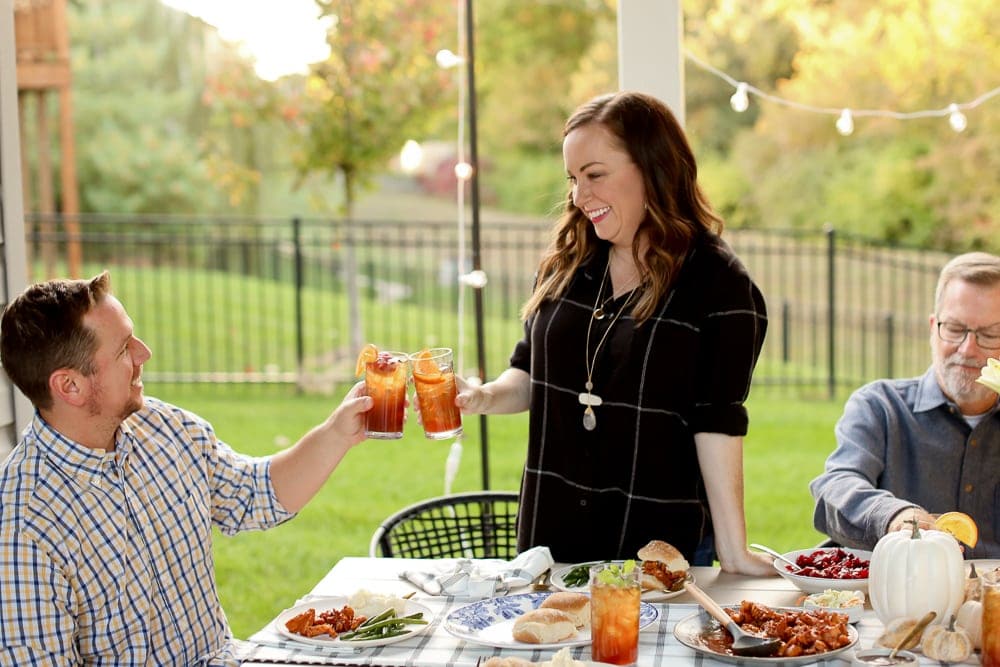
(614, 613)
(991, 618)
(434, 378)
(385, 382)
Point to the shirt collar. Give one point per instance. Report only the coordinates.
(930, 396)
(75, 458)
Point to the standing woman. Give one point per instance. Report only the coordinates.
(640, 340)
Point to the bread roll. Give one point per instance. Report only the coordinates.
(508, 661)
(543, 626)
(576, 606)
(666, 554)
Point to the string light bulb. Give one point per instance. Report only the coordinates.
(446, 59)
(740, 101)
(463, 171)
(411, 156)
(845, 123)
(956, 118)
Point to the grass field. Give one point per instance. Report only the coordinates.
(262, 573)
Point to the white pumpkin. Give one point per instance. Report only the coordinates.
(916, 571)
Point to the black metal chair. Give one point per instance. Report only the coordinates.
(478, 524)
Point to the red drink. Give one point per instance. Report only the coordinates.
(385, 382)
(614, 614)
(434, 379)
(991, 619)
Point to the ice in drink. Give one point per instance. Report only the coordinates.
(434, 379)
(991, 619)
(614, 613)
(385, 382)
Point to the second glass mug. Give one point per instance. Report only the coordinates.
(434, 379)
(385, 382)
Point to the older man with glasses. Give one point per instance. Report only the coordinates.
(919, 447)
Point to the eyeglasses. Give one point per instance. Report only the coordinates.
(953, 332)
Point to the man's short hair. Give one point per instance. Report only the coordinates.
(42, 330)
(978, 268)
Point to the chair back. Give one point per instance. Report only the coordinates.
(478, 524)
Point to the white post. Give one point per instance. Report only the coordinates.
(15, 410)
(651, 50)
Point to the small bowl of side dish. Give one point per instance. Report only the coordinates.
(833, 568)
(849, 603)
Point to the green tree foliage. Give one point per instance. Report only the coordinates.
(915, 181)
(137, 74)
(379, 86)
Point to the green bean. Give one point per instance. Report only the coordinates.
(377, 630)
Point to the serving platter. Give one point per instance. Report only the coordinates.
(337, 602)
(692, 629)
(558, 580)
(491, 621)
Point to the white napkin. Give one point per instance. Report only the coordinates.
(482, 579)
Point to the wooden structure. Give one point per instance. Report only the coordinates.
(41, 36)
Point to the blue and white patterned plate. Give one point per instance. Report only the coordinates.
(491, 622)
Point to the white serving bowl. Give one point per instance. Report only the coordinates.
(820, 584)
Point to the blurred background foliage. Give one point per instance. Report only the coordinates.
(172, 119)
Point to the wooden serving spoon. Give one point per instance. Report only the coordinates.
(744, 643)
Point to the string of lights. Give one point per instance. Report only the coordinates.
(740, 102)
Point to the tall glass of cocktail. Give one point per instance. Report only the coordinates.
(614, 613)
(434, 379)
(991, 619)
(385, 381)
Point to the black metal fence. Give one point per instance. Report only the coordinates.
(291, 301)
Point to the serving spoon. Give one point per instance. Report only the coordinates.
(772, 552)
(744, 643)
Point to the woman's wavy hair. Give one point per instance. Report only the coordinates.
(677, 211)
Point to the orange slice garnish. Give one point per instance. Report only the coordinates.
(369, 353)
(961, 526)
(425, 369)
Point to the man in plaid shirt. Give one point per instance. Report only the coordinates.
(108, 501)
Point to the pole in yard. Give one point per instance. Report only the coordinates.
(470, 65)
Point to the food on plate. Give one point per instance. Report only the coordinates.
(562, 658)
(832, 564)
(800, 632)
(663, 566)
(368, 603)
(575, 605)
(835, 599)
(543, 626)
(331, 622)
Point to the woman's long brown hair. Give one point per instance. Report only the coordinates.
(676, 209)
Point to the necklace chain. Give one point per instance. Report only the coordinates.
(588, 398)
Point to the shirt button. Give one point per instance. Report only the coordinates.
(968, 488)
(974, 443)
(583, 503)
(96, 482)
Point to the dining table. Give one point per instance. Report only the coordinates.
(436, 646)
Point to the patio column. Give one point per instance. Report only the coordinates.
(651, 50)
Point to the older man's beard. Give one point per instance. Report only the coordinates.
(959, 384)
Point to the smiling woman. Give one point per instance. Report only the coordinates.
(283, 38)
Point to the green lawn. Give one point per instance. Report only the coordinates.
(261, 573)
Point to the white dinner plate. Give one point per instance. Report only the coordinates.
(691, 630)
(325, 604)
(648, 596)
(491, 621)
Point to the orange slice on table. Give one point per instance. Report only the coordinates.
(961, 526)
(369, 353)
(425, 369)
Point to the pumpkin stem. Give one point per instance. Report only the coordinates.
(951, 623)
(972, 571)
(915, 535)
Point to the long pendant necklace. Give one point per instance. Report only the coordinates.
(588, 398)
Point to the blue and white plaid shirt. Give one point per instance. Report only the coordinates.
(106, 557)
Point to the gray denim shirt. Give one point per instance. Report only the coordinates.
(902, 443)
